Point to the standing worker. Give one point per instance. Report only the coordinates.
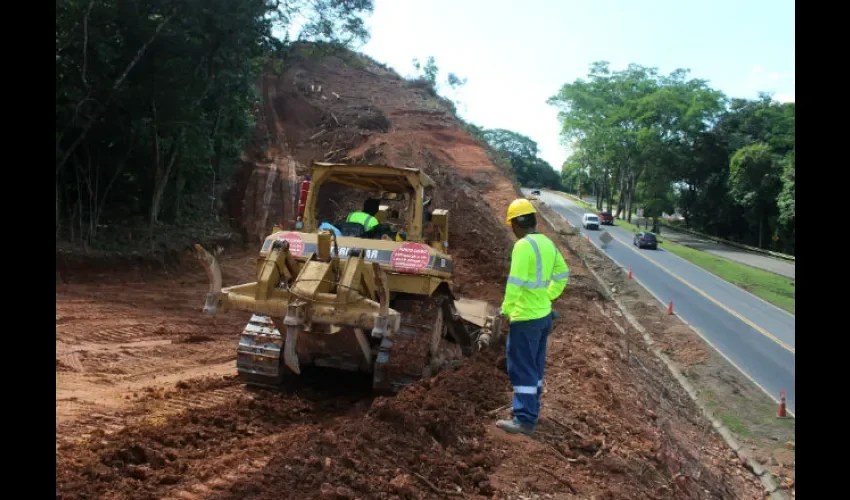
(538, 276)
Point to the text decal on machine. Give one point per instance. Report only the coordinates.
(296, 244)
(410, 257)
(369, 254)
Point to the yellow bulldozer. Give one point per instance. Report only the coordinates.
(335, 295)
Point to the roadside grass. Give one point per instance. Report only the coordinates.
(750, 419)
(778, 290)
(583, 204)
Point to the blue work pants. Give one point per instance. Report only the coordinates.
(526, 356)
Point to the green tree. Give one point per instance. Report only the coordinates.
(754, 181)
(155, 99)
(429, 70)
(455, 81)
(520, 152)
(635, 134)
(575, 174)
(634, 123)
(786, 201)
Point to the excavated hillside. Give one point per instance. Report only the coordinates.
(356, 111)
(147, 405)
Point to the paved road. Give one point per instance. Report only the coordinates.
(753, 259)
(757, 337)
(776, 266)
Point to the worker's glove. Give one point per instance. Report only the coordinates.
(555, 315)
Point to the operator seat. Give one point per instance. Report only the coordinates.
(351, 229)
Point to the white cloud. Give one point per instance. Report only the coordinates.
(778, 83)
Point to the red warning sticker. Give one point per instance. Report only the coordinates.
(410, 257)
(296, 244)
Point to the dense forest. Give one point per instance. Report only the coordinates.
(155, 100)
(667, 142)
(518, 153)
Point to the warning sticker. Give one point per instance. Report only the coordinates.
(296, 244)
(410, 257)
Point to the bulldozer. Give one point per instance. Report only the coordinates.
(337, 296)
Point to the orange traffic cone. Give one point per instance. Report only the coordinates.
(781, 413)
(587, 237)
(630, 272)
(670, 308)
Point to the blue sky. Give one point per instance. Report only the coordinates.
(518, 54)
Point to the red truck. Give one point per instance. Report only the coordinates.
(606, 218)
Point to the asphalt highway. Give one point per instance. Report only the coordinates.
(755, 336)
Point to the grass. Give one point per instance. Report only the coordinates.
(778, 290)
(583, 204)
(748, 419)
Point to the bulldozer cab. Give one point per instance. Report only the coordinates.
(400, 191)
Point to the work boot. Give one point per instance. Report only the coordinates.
(514, 427)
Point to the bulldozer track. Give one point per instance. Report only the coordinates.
(400, 360)
(258, 356)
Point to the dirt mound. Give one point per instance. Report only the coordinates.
(430, 429)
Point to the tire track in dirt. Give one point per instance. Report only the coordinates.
(122, 349)
(152, 405)
(232, 467)
(82, 393)
(111, 333)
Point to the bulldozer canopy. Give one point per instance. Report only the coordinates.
(371, 177)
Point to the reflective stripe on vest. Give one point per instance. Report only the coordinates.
(539, 281)
(561, 276)
(365, 222)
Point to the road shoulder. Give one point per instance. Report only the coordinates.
(764, 441)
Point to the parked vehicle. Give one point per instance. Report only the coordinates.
(645, 239)
(590, 221)
(606, 218)
(536, 192)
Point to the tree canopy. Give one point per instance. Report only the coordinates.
(155, 99)
(520, 154)
(667, 142)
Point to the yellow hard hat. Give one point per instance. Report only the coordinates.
(519, 206)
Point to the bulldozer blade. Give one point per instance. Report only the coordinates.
(211, 267)
(290, 356)
(213, 271)
(474, 311)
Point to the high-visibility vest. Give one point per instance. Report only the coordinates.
(538, 276)
(363, 218)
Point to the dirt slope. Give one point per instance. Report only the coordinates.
(147, 406)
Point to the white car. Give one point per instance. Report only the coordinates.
(590, 221)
